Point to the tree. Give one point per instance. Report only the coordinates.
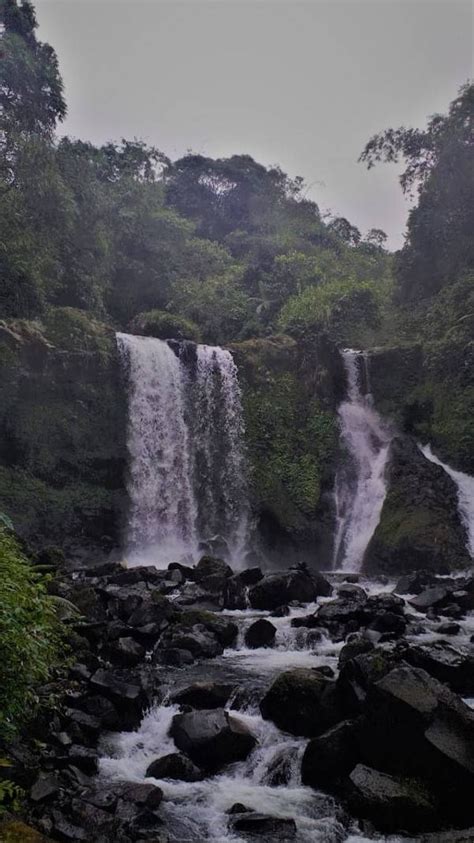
(376, 237)
(347, 232)
(440, 169)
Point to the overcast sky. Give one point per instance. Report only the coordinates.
(301, 84)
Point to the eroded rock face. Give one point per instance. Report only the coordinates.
(420, 526)
(212, 739)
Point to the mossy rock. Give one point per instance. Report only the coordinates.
(15, 831)
(164, 326)
(420, 526)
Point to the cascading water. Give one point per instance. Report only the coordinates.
(360, 484)
(465, 485)
(187, 477)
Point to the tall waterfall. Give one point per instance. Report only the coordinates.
(187, 478)
(465, 486)
(360, 484)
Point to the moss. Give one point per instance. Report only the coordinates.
(15, 831)
(164, 326)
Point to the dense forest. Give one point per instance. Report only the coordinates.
(227, 252)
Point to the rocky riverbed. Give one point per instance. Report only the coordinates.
(204, 704)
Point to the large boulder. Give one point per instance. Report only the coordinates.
(279, 589)
(420, 525)
(445, 663)
(260, 634)
(330, 757)
(212, 739)
(414, 726)
(303, 702)
(392, 803)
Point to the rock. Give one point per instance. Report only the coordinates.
(281, 767)
(66, 830)
(250, 576)
(260, 634)
(157, 611)
(344, 615)
(330, 757)
(211, 574)
(239, 808)
(212, 739)
(449, 629)
(173, 656)
(445, 663)
(302, 701)
(205, 695)
(392, 804)
(197, 640)
(414, 726)
(174, 766)
(235, 593)
(355, 645)
(265, 826)
(388, 623)
(359, 673)
(142, 794)
(101, 709)
(83, 757)
(45, 786)
(352, 591)
(415, 582)
(129, 698)
(420, 526)
(431, 598)
(276, 590)
(126, 652)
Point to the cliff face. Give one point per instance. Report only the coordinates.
(290, 394)
(62, 431)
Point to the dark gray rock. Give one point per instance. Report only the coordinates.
(125, 652)
(45, 786)
(174, 766)
(173, 656)
(260, 634)
(141, 793)
(276, 590)
(197, 640)
(212, 739)
(356, 645)
(392, 803)
(445, 663)
(303, 702)
(330, 757)
(205, 695)
(431, 598)
(280, 769)
(415, 582)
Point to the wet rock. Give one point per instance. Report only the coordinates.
(445, 663)
(235, 593)
(359, 673)
(356, 645)
(129, 698)
(158, 611)
(260, 634)
(100, 708)
(330, 757)
(205, 695)
(449, 629)
(212, 739)
(431, 598)
(350, 590)
(305, 622)
(211, 574)
(415, 726)
(264, 826)
(239, 808)
(389, 623)
(251, 576)
(343, 615)
(302, 701)
(173, 656)
(415, 582)
(280, 770)
(83, 757)
(391, 803)
(142, 794)
(66, 830)
(465, 835)
(45, 786)
(196, 639)
(174, 766)
(276, 590)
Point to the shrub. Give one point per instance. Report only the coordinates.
(164, 326)
(30, 635)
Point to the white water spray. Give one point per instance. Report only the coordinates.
(360, 484)
(187, 472)
(465, 486)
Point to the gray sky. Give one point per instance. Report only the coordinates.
(301, 84)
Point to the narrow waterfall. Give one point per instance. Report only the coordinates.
(465, 485)
(187, 478)
(360, 484)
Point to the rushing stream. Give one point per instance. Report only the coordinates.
(194, 812)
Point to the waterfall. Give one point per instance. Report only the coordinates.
(465, 486)
(360, 483)
(187, 477)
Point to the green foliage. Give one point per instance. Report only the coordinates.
(30, 635)
(163, 325)
(291, 443)
(10, 795)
